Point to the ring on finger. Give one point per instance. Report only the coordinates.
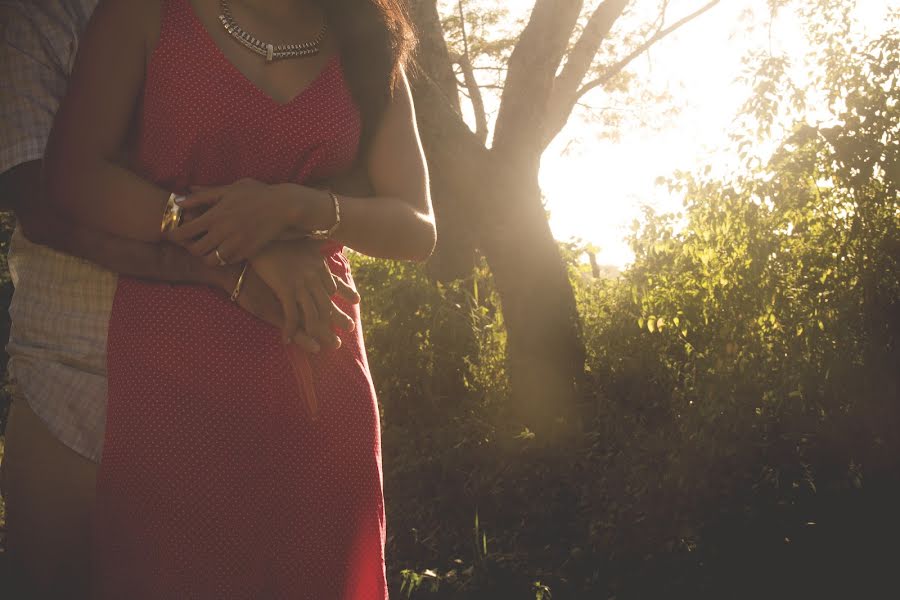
(221, 260)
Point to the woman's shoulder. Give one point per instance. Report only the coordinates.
(131, 19)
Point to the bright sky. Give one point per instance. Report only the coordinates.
(595, 190)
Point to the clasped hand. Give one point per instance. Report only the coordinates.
(305, 287)
(243, 221)
(235, 221)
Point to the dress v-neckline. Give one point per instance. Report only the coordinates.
(334, 58)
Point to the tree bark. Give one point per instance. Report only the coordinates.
(503, 206)
(545, 352)
(474, 90)
(438, 111)
(529, 81)
(578, 62)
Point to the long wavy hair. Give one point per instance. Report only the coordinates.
(377, 40)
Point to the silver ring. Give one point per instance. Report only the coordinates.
(222, 262)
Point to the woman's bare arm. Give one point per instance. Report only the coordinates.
(82, 178)
(398, 221)
(395, 221)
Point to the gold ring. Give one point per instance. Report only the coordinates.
(222, 262)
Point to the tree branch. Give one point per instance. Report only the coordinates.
(567, 93)
(465, 63)
(582, 55)
(660, 34)
(474, 94)
(529, 80)
(432, 56)
(457, 161)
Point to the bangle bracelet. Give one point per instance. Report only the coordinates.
(240, 283)
(173, 213)
(324, 234)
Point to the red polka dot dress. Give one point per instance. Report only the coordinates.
(216, 480)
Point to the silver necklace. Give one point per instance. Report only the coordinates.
(270, 51)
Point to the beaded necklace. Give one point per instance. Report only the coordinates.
(270, 51)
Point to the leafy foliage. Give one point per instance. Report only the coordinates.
(745, 369)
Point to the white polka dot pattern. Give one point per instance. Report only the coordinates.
(215, 482)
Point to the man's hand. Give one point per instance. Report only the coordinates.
(260, 301)
(289, 286)
(256, 297)
(18, 183)
(297, 273)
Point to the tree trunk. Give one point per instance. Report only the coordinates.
(545, 352)
(494, 200)
(501, 207)
(436, 91)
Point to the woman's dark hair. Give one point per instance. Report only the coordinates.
(376, 39)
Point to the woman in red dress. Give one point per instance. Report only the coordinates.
(241, 461)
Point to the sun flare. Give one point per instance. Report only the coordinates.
(595, 188)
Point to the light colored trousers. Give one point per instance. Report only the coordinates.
(49, 493)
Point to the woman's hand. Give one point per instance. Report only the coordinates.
(298, 275)
(239, 219)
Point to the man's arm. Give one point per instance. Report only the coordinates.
(35, 49)
(162, 262)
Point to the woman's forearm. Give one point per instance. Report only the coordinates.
(396, 221)
(379, 226)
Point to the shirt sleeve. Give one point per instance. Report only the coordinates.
(32, 81)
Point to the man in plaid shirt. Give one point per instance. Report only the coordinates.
(60, 313)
